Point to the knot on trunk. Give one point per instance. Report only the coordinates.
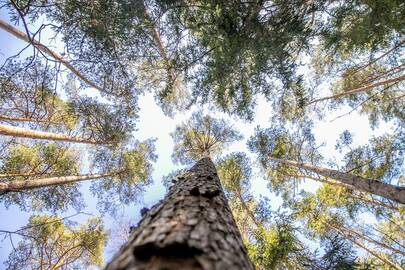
(209, 192)
(171, 257)
(178, 250)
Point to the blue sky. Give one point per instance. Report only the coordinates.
(153, 123)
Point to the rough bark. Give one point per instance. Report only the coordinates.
(42, 135)
(21, 35)
(46, 182)
(388, 191)
(359, 90)
(192, 228)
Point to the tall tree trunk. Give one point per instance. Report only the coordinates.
(389, 72)
(371, 240)
(192, 228)
(375, 202)
(361, 196)
(10, 175)
(247, 210)
(388, 191)
(23, 36)
(376, 59)
(359, 90)
(46, 182)
(23, 119)
(42, 135)
(157, 40)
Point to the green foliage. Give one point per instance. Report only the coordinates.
(231, 42)
(277, 247)
(381, 159)
(363, 24)
(24, 162)
(104, 122)
(280, 142)
(102, 30)
(51, 158)
(382, 103)
(339, 254)
(132, 168)
(200, 136)
(227, 54)
(27, 89)
(50, 242)
(234, 171)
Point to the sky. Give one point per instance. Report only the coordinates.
(153, 123)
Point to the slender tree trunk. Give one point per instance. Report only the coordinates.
(360, 197)
(376, 59)
(363, 198)
(192, 228)
(371, 240)
(388, 191)
(361, 245)
(8, 175)
(157, 40)
(324, 180)
(247, 210)
(359, 90)
(41, 135)
(389, 72)
(23, 36)
(46, 182)
(376, 255)
(23, 119)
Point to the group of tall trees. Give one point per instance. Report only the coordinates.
(68, 116)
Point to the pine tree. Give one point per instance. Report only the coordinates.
(202, 136)
(279, 151)
(47, 176)
(192, 228)
(49, 242)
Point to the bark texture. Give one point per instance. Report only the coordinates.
(192, 228)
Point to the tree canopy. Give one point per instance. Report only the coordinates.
(300, 105)
(48, 241)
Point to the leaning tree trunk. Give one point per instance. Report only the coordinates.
(363, 246)
(20, 185)
(42, 135)
(388, 191)
(192, 228)
(23, 36)
(359, 90)
(24, 119)
(362, 196)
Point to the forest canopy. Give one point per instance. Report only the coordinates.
(105, 105)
